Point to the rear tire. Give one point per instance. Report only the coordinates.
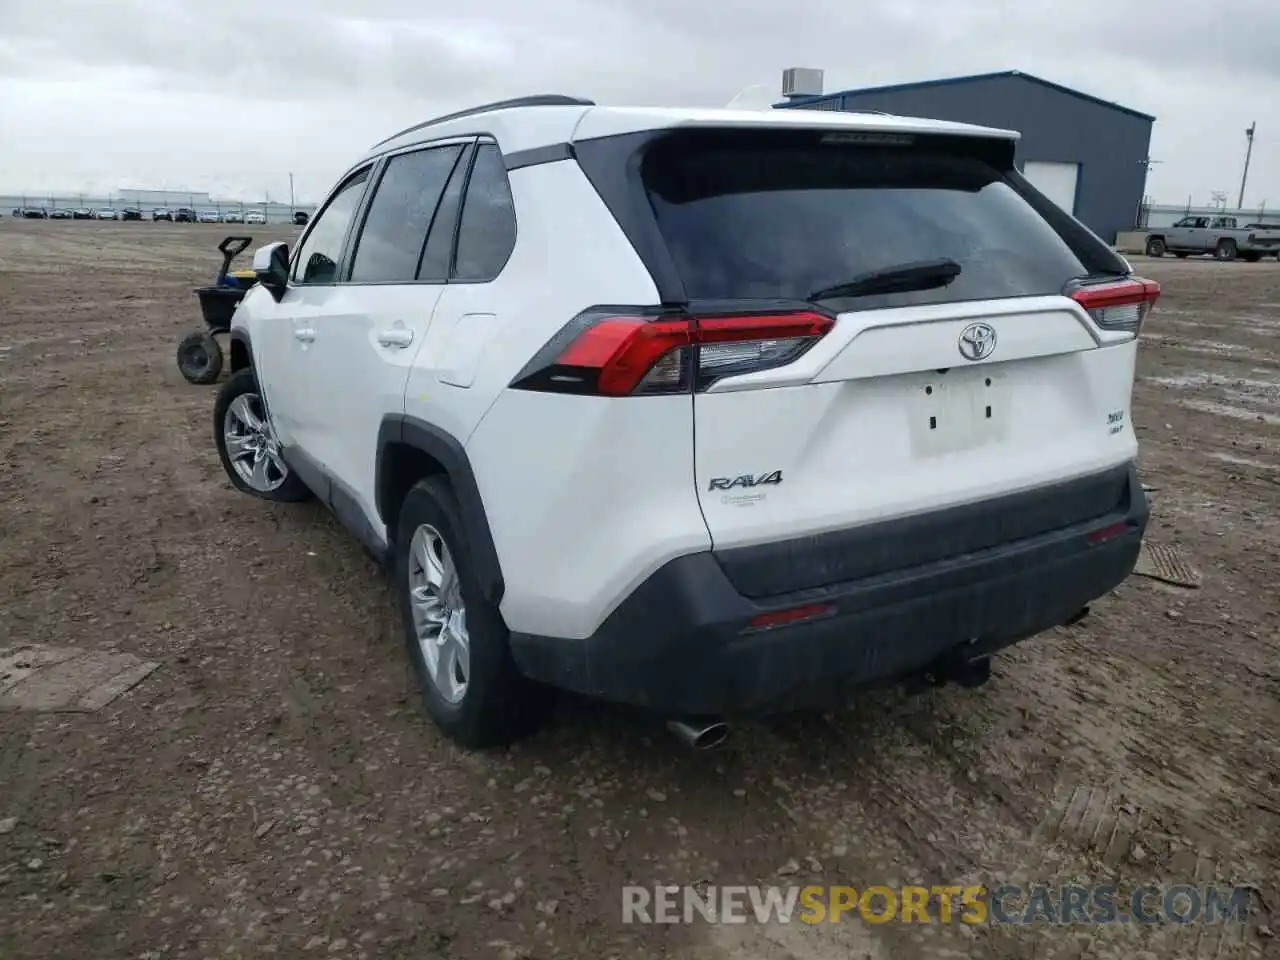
(1155, 247)
(199, 358)
(1225, 250)
(497, 705)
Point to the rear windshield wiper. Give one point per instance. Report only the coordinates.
(919, 275)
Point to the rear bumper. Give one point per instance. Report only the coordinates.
(683, 644)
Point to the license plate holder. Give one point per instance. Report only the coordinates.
(957, 410)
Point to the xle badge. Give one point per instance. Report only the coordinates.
(746, 481)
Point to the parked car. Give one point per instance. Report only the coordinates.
(131, 213)
(107, 213)
(81, 213)
(255, 216)
(209, 216)
(35, 213)
(1219, 236)
(161, 213)
(60, 213)
(185, 215)
(1261, 227)
(232, 216)
(300, 218)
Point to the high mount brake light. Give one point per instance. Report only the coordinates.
(618, 352)
(1120, 306)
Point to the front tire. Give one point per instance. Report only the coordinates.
(247, 445)
(1155, 247)
(457, 640)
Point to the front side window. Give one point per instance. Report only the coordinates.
(318, 257)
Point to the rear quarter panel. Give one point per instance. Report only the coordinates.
(586, 496)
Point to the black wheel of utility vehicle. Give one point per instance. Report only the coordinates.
(1155, 247)
(457, 640)
(247, 444)
(200, 357)
(1225, 250)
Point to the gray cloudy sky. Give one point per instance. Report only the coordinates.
(231, 95)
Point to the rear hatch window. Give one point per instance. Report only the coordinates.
(781, 215)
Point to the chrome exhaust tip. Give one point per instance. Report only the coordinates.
(700, 734)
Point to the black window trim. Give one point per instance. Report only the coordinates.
(370, 170)
(375, 166)
(366, 204)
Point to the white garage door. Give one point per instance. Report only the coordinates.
(1055, 180)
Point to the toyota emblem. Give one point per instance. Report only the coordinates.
(977, 341)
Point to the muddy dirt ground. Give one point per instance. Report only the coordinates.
(275, 789)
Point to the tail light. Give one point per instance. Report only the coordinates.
(618, 352)
(1120, 306)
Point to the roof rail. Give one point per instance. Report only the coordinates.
(538, 100)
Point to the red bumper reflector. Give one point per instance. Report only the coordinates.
(1108, 533)
(778, 618)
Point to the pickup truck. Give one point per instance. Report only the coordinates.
(1219, 236)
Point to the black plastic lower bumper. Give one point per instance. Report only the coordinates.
(683, 643)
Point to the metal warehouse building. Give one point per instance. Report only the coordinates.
(1086, 154)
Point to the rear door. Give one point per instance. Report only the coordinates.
(976, 379)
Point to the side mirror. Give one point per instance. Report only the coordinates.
(271, 265)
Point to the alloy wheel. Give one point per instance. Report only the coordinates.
(251, 444)
(439, 614)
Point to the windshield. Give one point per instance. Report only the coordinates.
(782, 218)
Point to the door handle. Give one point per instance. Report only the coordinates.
(399, 337)
(305, 334)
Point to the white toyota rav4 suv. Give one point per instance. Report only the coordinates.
(710, 412)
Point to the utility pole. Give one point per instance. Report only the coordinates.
(291, 203)
(1247, 154)
(1144, 205)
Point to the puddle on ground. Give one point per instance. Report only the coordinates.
(1214, 348)
(1205, 379)
(1227, 410)
(1243, 461)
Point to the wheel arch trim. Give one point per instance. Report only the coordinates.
(239, 335)
(446, 450)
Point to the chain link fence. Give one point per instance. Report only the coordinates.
(150, 204)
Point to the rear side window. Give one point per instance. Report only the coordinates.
(782, 216)
(391, 243)
(487, 233)
(437, 257)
